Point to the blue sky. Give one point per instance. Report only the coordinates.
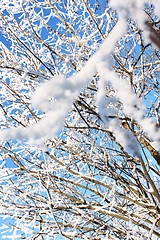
(7, 43)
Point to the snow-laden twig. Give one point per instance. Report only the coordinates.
(56, 96)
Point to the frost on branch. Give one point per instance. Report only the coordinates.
(99, 178)
(56, 95)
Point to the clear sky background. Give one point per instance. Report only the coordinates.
(2, 39)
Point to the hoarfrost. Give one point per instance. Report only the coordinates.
(56, 96)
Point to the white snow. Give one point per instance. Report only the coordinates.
(56, 95)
